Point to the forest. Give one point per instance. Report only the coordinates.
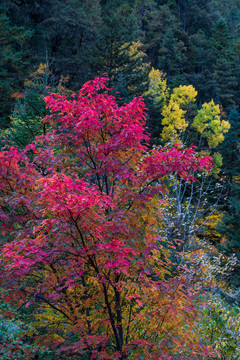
(120, 179)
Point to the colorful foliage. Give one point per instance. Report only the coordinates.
(220, 326)
(157, 89)
(209, 124)
(173, 113)
(82, 206)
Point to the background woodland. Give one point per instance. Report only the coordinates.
(181, 58)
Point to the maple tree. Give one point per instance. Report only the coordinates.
(81, 208)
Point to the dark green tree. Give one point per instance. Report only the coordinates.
(119, 54)
(167, 44)
(93, 11)
(14, 62)
(221, 38)
(198, 17)
(230, 13)
(224, 67)
(229, 228)
(30, 107)
(230, 147)
(226, 82)
(62, 34)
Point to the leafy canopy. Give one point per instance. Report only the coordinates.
(80, 209)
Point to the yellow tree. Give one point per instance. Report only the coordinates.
(183, 124)
(208, 123)
(174, 113)
(157, 91)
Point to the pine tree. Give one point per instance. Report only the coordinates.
(167, 45)
(226, 82)
(224, 68)
(221, 36)
(13, 63)
(230, 147)
(92, 9)
(229, 227)
(119, 55)
(30, 108)
(62, 34)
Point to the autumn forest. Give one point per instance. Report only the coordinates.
(120, 179)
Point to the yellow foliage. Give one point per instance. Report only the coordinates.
(217, 162)
(236, 179)
(42, 78)
(40, 75)
(158, 89)
(174, 112)
(174, 121)
(210, 232)
(208, 123)
(134, 50)
(183, 95)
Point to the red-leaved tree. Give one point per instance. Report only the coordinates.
(81, 209)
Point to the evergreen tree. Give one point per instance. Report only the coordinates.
(224, 69)
(221, 38)
(120, 57)
(230, 147)
(229, 227)
(198, 17)
(13, 63)
(167, 44)
(200, 75)
(30, 108)
(92, 9)
(62, 34)
(230, 13)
